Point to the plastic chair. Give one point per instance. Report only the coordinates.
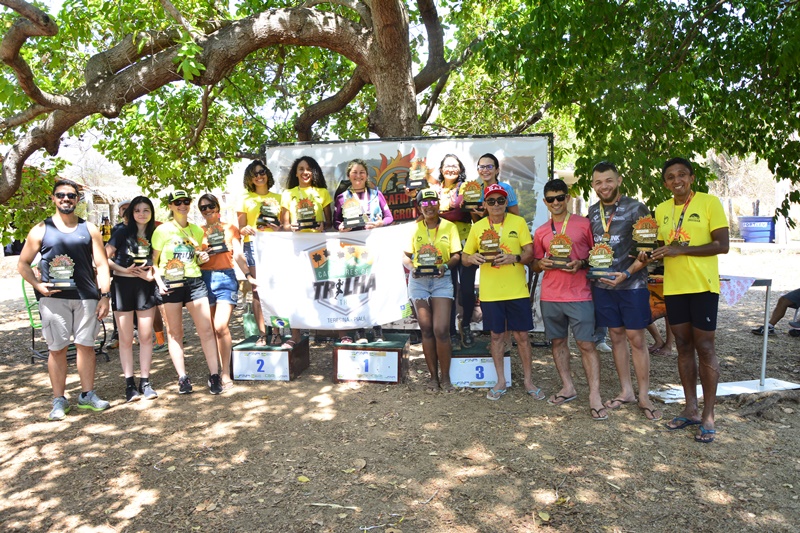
(35, 319)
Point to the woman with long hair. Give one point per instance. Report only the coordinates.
(177, 255)
(221, 241)
(373, 212)
(305, 206)
(489, 173)
(260, 211)
(129, 254)
(433, 250)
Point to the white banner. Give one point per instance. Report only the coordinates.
(332, 280)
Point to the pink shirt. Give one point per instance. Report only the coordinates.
(557, 285)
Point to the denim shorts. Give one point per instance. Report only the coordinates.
(425, 288)
(222, 286)
(249, 253)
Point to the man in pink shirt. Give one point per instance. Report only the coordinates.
(560, 249)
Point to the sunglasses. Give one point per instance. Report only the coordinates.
(485, 167)
(261, 172)
(206, 207)
(182, 201)
(551, 199)
(62, 195)
(428, 203)
(497, 201)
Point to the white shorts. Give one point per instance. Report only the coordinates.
(63, 320)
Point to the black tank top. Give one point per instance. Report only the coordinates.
(76, 245)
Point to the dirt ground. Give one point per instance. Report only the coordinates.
(310, 455)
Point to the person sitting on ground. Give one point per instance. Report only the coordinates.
(790, 299)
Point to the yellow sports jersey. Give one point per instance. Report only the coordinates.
(315, 198)
(507, 282)
(175, 242)
(442, 241)
(252, 203)
(686, 274)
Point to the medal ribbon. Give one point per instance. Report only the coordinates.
(607, 225)
(677, 229)
(563, 228)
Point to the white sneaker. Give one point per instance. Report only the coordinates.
(603, 347)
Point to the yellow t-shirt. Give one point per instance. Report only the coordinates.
(686, 274)
(444, 241)
(506, 282)
(316, 198)
(251, 206)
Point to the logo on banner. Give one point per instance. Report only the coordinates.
(392, 178)
(343, 277)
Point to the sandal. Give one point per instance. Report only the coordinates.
(262, 340)
(289, 345)
(346, 339)
(275, 340)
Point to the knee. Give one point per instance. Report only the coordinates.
(442, 332)
(222, 330)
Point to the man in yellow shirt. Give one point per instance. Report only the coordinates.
(693, 230)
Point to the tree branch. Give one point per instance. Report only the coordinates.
(531, 120)
(328, 106)
(359, 7)
(436, 65)
(175, 14)
(22, 118)
(434, 99)
(205, 101)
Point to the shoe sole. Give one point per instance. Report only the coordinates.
(92, 407)
(56, 419)
(134, 398)
(185, 391)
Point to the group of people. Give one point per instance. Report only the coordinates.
(179, 264)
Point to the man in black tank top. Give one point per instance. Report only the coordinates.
(69, 300)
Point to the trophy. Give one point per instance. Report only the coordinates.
(306, 214)
(141, 252)
(174, 276)
(601, 256)
(61, 270)
(268, 214)
(490, 244)
(472, 194)
(417, 175)
(560, 248)
(427, 257)
(645, 233)
(352, 215)
(216, 240)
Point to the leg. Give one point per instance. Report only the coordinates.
(560, 351)
(780, 310)
(498, 345)
(709, 373)
(524, 348)
(124, 321)
(85, 361)
(146, 319)
(158, 325)
(658, 340)
(441, 308)
(687, 368)
(221, 319)
(57, 369)
(591, 365)
(173, 312)
(425, 319)
(641, 367)
(201, 316)
(619, 348)
(466, 293)
(258, 314)
(453, 306)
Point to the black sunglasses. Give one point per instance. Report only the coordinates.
(551, 199)
(182, 201)
(62, 195)
(206, 207)
(262, 172)
(498, 201)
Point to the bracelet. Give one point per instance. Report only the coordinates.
(627, 274)
(518, 258)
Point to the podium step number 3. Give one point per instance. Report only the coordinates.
(477, 372)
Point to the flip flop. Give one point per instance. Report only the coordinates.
(596, 416)
(705, 436)
(620, 402)
(495, 395)
(563, 399)
(682, 423)
(650, 414)
(288, 345)
(261, 341)
(537, 394)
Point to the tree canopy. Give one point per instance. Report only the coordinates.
(179, 90)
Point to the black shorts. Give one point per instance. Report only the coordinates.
(699, 308)
(193, 289)
(132, 294)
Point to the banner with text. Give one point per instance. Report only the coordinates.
(332, 280)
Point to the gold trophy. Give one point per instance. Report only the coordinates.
(645, 233)
(490, 244)
(601, 256)
(417, 175)
(268, 214)
(141, 255)
(306, 215)
(560, 248)
(216, 240)
(174, 276)
(352, 215)
(427, 259)
(471, 194)
(61, 270)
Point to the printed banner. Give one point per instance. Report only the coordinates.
(332, 280)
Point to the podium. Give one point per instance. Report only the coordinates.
(375, 362)
(268, 363)
(473, 367)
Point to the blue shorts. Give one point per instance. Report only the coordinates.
(249, 253)
(558, 317)
(507, 315)
(699, 308)
(424, 288)
(222, 286)
(629, 309)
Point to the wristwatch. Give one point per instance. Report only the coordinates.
(105, 295)
(519, 258)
